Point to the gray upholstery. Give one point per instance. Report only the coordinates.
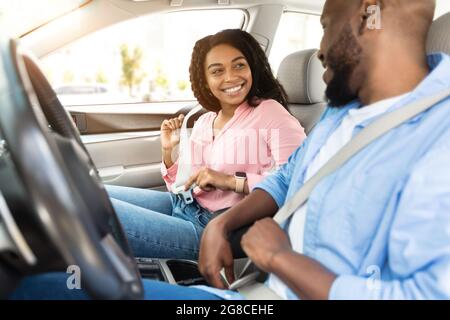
(439, 35)
(301, 76)
(307, 115)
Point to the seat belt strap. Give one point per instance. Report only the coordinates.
(185, 160)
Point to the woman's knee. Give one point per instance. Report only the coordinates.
(116, 192)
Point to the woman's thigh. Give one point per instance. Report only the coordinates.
(155, 235)
(53, 286)
(149, 199)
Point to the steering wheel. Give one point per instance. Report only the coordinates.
(62, 182)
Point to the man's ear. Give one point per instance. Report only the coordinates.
(369, 16)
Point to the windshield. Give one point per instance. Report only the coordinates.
(19, 17)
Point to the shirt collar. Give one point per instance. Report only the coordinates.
(237, 113)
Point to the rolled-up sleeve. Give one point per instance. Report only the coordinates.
(419, 239)
(169, 174)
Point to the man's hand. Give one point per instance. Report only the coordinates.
(215, 254)
(209, 180)
(263, 241)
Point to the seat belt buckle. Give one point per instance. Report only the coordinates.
(244, 281)
(248, 275)
(185, 195)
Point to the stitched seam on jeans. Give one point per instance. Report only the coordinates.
(163, 244)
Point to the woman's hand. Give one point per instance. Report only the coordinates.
(209, 180)
(170, 135)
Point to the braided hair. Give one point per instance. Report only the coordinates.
(264, 86)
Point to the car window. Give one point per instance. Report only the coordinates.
(442, 7)
(141, 60)
(296, 31)
(299, 31)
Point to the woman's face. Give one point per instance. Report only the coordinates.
(228, 75)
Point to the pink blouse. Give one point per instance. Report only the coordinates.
(255, 140)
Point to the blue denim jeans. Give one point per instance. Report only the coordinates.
(159, 224)
(53, 286)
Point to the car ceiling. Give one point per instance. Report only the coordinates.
(136, 7)
(92, 17)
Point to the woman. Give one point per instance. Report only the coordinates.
(247, 133)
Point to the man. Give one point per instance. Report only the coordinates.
(377, 228)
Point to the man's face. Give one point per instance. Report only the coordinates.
(340, 53)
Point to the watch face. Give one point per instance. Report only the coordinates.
(240, 175)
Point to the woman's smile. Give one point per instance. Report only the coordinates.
(234, 90)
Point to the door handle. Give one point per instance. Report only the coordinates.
(109, 174)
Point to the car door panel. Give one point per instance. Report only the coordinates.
(130, 159)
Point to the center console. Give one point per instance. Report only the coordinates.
(174, 271)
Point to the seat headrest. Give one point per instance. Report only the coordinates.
(439, 35)
(301, 76)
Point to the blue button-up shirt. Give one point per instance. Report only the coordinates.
(382, 221)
